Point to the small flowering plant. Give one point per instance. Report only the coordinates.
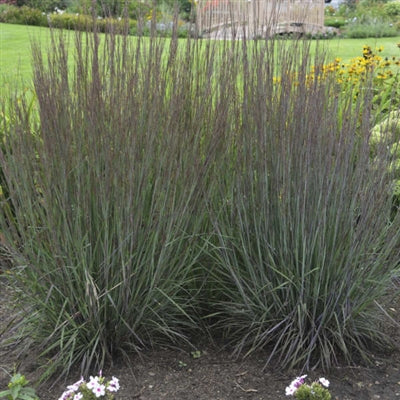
(317, 390)
(96, 388)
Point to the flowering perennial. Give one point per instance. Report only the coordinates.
(359, 67)
(317, 390)
(96, 388)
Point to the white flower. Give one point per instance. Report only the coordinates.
(99, 390)
(66, 395)
(290, 390)
(113, 385)
(93, 382)
(74, 387)
(96, 385)
(324, 382)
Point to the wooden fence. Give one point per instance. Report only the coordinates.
(258, 16)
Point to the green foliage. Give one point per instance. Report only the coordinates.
(84, 22)
(18, 389)
(329, 11)
(370, 9)
(112, 8)
(377, 17)
(386, 134)
(107, 8)
(315, 391)
(29, 16)
(370, 28)
(24, 16)
(4, 7)
(43, 5)
(196, 354)
(138, 10)
(392, 9)
(335, 22)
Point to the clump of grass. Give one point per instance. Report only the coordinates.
(306, 244)
(106, 181)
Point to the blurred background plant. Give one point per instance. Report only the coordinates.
(19, 389)
(365, 18)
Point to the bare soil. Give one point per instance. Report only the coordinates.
(211, 374)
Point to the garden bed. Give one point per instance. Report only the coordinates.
(212, 374)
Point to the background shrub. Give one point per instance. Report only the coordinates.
(370, 28)
(29, 16)
(84, 22)
(392, 9)
(23, 16)
(335, 22)
(43, 5)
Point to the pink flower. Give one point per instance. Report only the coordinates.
(78, 396)
(298, 381)
(291, 389)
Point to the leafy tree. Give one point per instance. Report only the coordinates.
(43, 5)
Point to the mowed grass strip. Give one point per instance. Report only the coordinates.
(15, 49)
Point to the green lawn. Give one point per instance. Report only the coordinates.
(15, 56)
(349, 48)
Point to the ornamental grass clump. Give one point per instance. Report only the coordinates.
(106, 174)
(305, 244)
